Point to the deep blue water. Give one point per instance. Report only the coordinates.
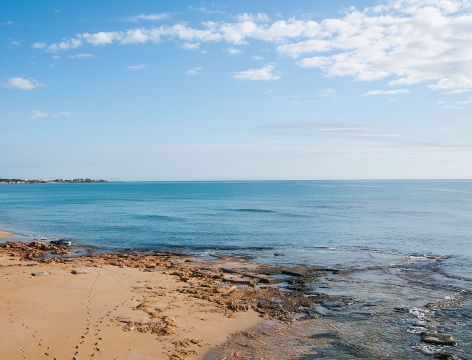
(405, 244)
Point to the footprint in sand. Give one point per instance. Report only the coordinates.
(88, 321)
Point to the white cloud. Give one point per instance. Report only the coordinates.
(15, 43)
(82, 56)
(39, 114)
(401, 42)
(386, 92)
(265, 73)
(105, 38)
(194, 71)
(314, 62)
(136, 67)
(21, 83)
(148, 17)
(191, 46)
(39, 45)
(234, 51)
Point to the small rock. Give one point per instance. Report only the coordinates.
(40, 273)
(438, 339)
(278, 254)
(79, 271)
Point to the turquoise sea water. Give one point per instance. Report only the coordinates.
(403, 243)
(407, 216)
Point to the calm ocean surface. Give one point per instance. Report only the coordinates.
(403, 244)
(407, 216)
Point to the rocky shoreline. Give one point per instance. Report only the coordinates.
(281, 296)
(232, 283)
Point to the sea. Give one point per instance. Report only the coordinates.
(403, 248)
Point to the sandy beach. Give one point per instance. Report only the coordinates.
(129, 306)
(105, 312)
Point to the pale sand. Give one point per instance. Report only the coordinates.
(5, 235)
(66, 316)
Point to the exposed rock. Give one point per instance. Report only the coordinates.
(40, 273)
(33, 250)
(161, 327)
(438, 339)
(79, 271)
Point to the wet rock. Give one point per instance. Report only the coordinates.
(79, 271)
(290, 272)
(320, 309)
(61, 242)
(447, 356)
(421, 323)
(311, 313)
(438, 339)
(278, 254)
(40, 273)
(400, 309)
(360, 315)
(333, 304)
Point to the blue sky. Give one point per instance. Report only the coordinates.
(147, 90)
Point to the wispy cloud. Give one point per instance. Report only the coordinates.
(148, 17)
(265, 73)
(251, 17)
(136, 67)
(194, 71)
(457, 104)
(305, 128)
(328, 92)
(82, 56)
(234, 51)
(21, 83)
(386, 92)
(16, 43)
(206, 10)
(191, 46)
(40, 114)
(39, 45)
(459, 91)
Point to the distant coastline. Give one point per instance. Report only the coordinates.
(56, 181)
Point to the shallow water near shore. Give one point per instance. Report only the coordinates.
(401, 249)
